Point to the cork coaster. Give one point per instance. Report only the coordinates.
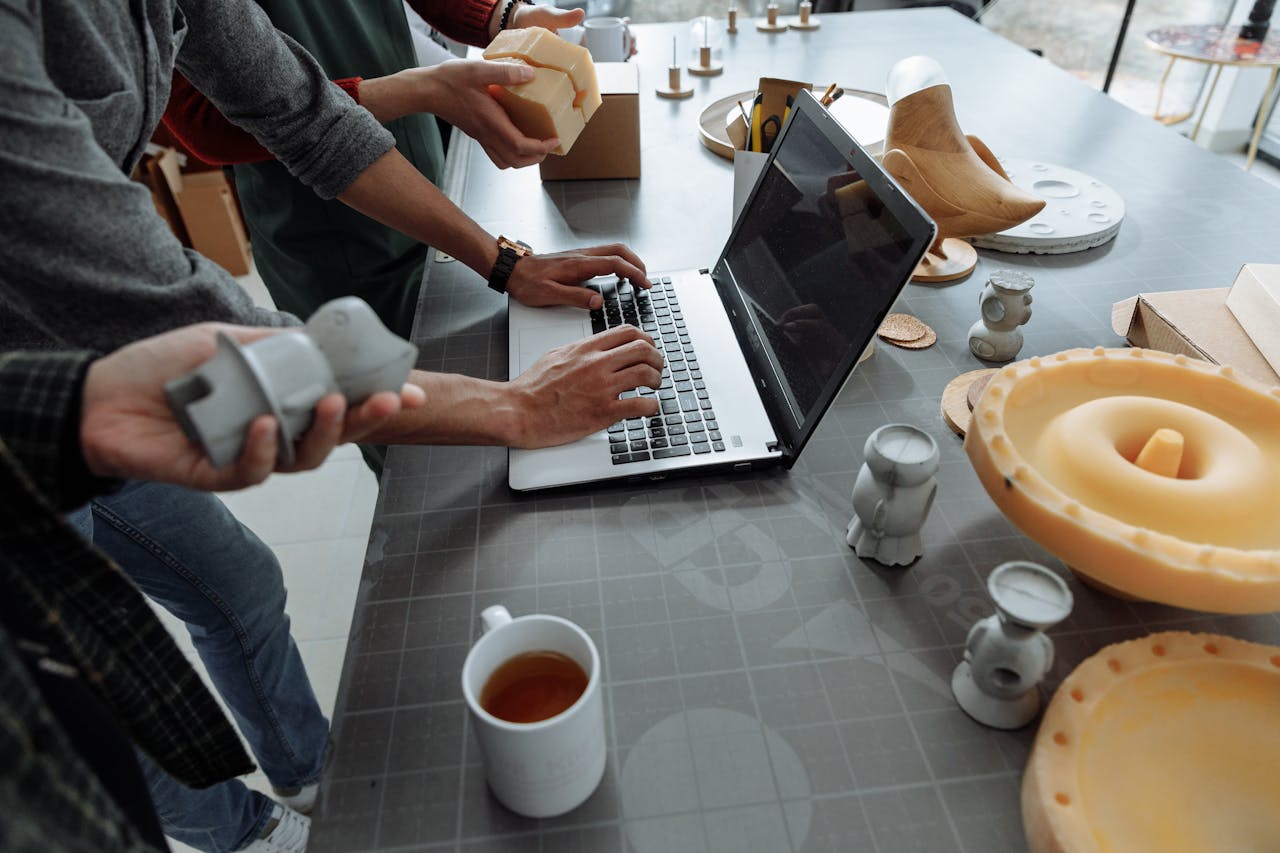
(976, 388)
(928, 339)
(898, 328)
(957, 410)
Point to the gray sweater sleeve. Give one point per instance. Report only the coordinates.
(268, 84)
(85, 260)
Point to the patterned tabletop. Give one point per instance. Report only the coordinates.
(765, 689)
(1215, 43)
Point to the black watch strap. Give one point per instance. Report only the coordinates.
(509, 251)
(502, 268)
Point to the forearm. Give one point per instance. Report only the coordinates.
(396, 194)
(396, 95)
(459, 410)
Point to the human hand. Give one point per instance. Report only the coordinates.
(556, 279)
(572, 391)
(459, 91)
(127, 429)
(529, 15)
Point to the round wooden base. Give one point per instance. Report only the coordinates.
(711, 70)
(796, 24)
(957, 260)
(958, 399)
(674, 94)
(765, 27)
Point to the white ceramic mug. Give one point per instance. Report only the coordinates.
(607, 39)
(546, 768)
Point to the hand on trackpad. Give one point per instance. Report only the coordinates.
(535, 342)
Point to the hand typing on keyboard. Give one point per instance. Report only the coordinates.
(574, 390)
(556, 279)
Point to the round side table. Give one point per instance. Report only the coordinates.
(1219, 46)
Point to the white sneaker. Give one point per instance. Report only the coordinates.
(299, 799)
(287, 833)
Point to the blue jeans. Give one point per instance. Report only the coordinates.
(187, 552)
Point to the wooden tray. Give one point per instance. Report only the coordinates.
(864, 114)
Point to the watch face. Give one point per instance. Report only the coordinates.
(520, 248)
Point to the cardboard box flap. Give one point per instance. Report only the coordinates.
(1195, 323)
(1254, 300)
(618, 78)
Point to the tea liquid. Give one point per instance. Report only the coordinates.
(533, 686)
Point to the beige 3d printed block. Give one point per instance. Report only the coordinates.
(543, 107)
(1077, 448)
(1164, 743)
(554, 59)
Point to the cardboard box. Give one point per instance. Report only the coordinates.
(1254, 300)
(609, 146)
(160, 172)
(1194, 323)
(213, 220)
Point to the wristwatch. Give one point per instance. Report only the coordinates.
(509, 251)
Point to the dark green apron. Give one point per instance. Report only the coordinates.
(307, 250)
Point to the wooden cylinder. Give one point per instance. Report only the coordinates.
(805, 8)
(673, 77)
(733, 19)
(704, 56)
(773, 14)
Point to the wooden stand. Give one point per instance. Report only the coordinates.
(675, 89)
(706, 67)
(733, 21)
(947, 260)
(806, 21)
(955, 178)
(771, 24)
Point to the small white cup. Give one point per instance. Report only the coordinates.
(573, 35)
(546, 768)
(607, 39)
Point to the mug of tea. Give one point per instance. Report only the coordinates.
(607, 39)
(533, 687)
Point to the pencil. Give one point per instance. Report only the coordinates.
(827, 94)
(835, 96)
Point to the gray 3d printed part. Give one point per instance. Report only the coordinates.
(1007, 655)
(343, 347)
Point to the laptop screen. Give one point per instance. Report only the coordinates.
(823, 247)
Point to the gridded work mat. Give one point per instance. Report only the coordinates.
(766, 690)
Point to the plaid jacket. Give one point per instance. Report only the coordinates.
(92, 618)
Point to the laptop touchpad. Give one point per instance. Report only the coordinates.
(535, 342)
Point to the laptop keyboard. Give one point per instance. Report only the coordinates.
(686, 423)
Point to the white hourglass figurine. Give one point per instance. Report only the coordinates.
(1007, 655)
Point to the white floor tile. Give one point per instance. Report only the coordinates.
(304, 507)
(323, 659)
(322, 579)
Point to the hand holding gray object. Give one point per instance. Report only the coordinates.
(343, 348)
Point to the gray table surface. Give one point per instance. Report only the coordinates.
(765, 689)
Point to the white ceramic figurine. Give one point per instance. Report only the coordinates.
(893, 494)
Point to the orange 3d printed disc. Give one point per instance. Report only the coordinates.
(1165, 743)
(1152, 475)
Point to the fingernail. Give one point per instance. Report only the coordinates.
(596, 301)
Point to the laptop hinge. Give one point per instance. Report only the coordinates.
(771, 446)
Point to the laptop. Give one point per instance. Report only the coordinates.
(757, 346)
